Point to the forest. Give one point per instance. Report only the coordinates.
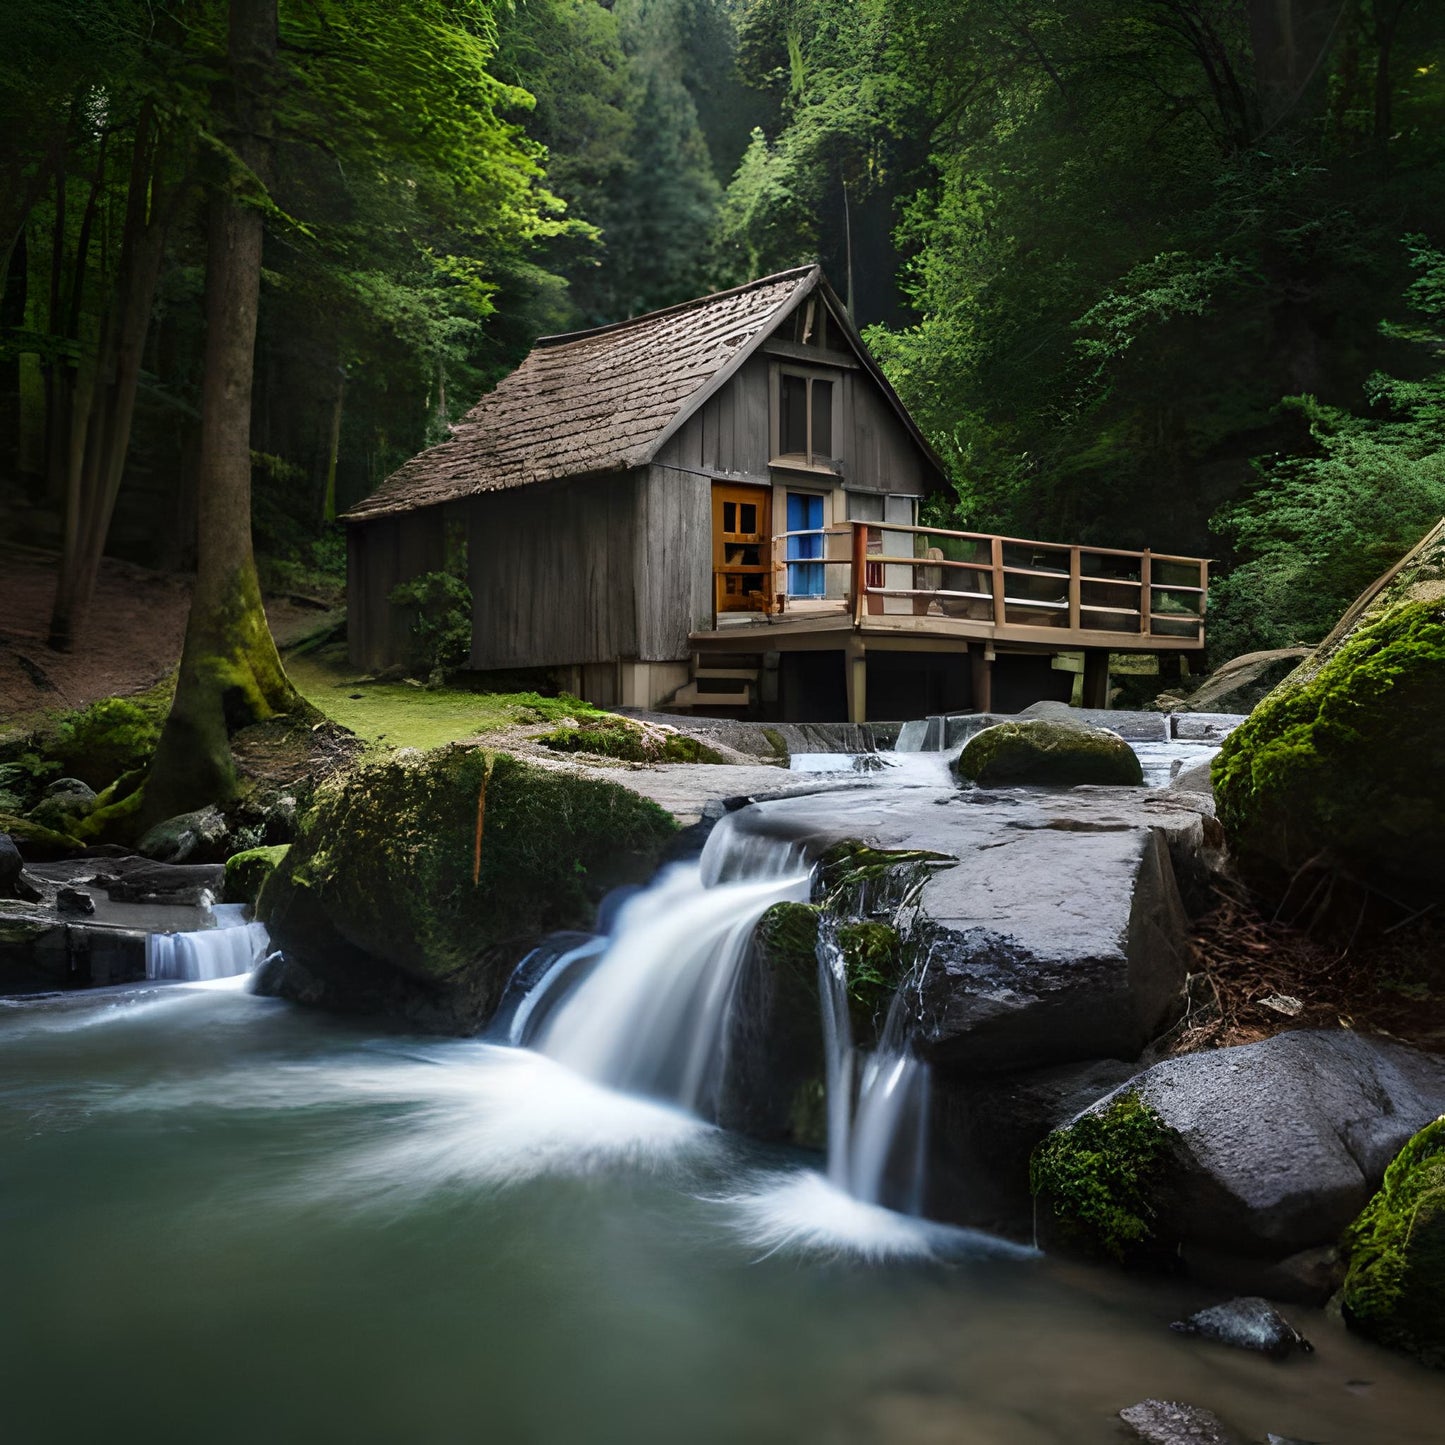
(1148, 272)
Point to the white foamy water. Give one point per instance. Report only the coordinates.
(233, 947)
(650, 1016)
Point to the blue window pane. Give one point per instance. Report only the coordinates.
(805, 576)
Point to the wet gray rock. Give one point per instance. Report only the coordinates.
(1248, 1323)
(15, 882)
(1168, 1422)
(1137, 727)
(1243, 681)
(138, 880)
(74, 900)
(1060, 934)
(1282, 1143)
(1204, 727)
(198, 837)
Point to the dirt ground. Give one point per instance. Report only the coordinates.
(132, 638)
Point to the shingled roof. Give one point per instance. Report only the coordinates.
(593, 401)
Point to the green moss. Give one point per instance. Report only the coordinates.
(854, 877)
(1395, 1253)
(1048, 753)
(610, 736)
(116, 812)
(39, 842)
(778, 743)
(388, 851)
(99, 742)
(1099, 1175)
(1340, 763)
(247, 872)
(399, 715)
(873, 962)
(787, 935)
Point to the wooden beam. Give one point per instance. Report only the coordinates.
(855, 661)
(1096, 678)
(981, 676)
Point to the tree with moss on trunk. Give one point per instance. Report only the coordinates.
(230, 673)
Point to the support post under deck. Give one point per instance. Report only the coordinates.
(1096, 677)
(980, 668)
(855, 664)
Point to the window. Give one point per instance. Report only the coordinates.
(805, 418)
(805, 544)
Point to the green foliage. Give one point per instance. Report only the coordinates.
(1339, 766)
(388, 852)
(610, 736)
(23, 777)
(1394, 1252)
(873, 962)
(441, 624)
(1318, 527)
(1099, 1176)
(113, 736)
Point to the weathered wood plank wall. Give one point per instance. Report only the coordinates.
(380, 555)
(553, 573)
(674, 562)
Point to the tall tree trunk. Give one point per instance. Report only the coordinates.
(231, 673)
(101, 434)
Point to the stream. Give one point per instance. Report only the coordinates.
(229, 1219)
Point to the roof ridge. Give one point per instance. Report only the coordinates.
(562, 338)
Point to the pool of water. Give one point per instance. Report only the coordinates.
(226, 1219)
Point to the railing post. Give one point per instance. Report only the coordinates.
(1146, 593)
(1075, 572)
(1203, 598)
(996, 562)
(860, 571)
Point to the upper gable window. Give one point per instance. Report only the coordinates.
(804, 417)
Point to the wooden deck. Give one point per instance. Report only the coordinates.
(890, 587)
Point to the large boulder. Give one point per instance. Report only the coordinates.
(1251, 1153)
(1048, 752)
(64, 802)
(15, 882)
(417, 882)
(198, 837)
(1059, 935)
(1239, 684)
(1395, 1253)
(1339, 767)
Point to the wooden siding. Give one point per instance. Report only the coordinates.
(554, 573)
(729, 432)
(674, 562)
(381, 554)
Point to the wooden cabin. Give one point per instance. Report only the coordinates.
(716, 506)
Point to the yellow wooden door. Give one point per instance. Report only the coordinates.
(742, 535)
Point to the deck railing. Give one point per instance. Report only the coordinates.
(1009, 582)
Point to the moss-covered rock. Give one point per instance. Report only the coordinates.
(247, 872)
(1395, 1253)
(1048, 752)
(113, 736)
(39, 844)
(1098, 1176)
(1339, 766)
(873, 965)
(615, 737)
(443, 868)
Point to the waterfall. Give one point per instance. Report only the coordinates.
(232, 946)
(649, 1015)
(877, 1143)
(922, 735)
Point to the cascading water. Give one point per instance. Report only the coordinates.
(649, 1015)
(232, 946)
(877, 1140)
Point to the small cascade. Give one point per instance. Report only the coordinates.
(232, 946)
(878, 1133)
(923, 735)
(649, 1014)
